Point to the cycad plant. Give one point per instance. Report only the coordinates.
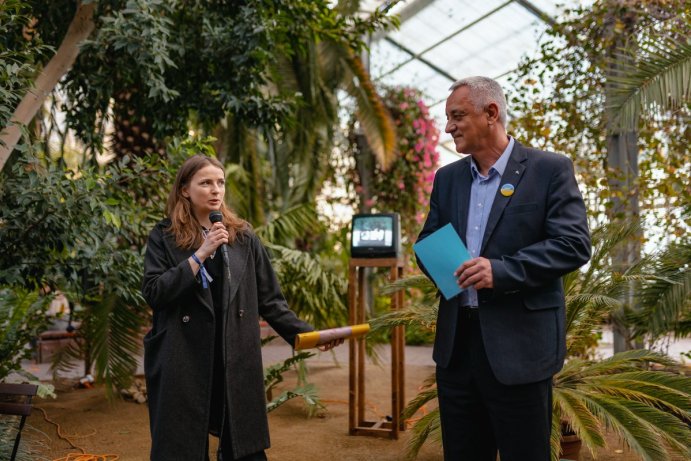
(648, 409)
(665, 301)
(273, 376)
(636, 394)
(659, 80)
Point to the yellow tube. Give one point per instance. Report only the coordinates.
(319, 337)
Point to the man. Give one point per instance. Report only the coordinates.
(499, 342)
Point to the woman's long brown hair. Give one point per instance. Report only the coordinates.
(184, 225)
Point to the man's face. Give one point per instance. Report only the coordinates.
(467, 125)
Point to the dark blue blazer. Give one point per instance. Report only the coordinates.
(532, 239)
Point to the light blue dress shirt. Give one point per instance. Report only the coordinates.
(482, 192)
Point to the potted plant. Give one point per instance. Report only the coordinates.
(646, 408)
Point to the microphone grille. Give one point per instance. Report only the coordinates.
(215, 216)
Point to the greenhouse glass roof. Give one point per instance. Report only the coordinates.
(441, 41)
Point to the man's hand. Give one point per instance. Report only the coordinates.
(476, 272)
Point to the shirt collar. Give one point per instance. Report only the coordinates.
(499, 166)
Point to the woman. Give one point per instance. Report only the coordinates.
(202, 357)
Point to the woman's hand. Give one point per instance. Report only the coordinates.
(217, 236)
(331, 344)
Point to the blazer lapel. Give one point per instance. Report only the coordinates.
(462, 194)
(237, 256)
(512, 175)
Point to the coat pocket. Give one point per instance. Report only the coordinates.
(544, 300)
(522, 208)
(153, 343)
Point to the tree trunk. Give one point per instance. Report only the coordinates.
(80, 28)
(364, 162)
(622, 171)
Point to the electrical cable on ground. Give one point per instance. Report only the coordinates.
(83, 456)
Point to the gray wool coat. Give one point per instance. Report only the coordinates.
(179, 348)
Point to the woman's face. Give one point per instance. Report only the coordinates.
(205, 191)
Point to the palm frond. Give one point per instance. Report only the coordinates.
(375, 120)
(638, 436)
(665, 296)
(658, 389)
(290, 224)
(273, 375)
(641, 427)
(661, 79)
(643, 407)
(245, 174)
(315, 293)
(426, 428)
(116, 342)
(580, 418)
(420, 281)
(237, 179)
(555, 434)
(428, 394)
(22, 317)
(625, 362)
(421, 314)
(268, 339)
(585, 312)
(66, 359)
(307, 392)
(299, 158)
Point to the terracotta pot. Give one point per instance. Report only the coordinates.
(570, 447)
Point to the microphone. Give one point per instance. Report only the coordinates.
(214, 217)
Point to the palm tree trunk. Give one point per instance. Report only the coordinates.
(132, 132)
(622, 163)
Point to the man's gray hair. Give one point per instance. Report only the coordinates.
(483, 91)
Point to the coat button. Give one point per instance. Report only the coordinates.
(185, 318)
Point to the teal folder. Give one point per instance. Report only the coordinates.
(441, 252)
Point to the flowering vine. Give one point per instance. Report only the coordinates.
(406, 185)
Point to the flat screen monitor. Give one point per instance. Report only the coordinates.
(375, 236)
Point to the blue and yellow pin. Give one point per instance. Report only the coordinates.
(507, 190)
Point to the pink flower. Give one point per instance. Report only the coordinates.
(426, 160)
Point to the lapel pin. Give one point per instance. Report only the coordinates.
(507, 190)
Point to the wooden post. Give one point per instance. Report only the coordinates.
(357, 422)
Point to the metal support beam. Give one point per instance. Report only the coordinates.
(406, 13)
(537, 12)
(434, 67)
(418, 56)
(418, 5)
